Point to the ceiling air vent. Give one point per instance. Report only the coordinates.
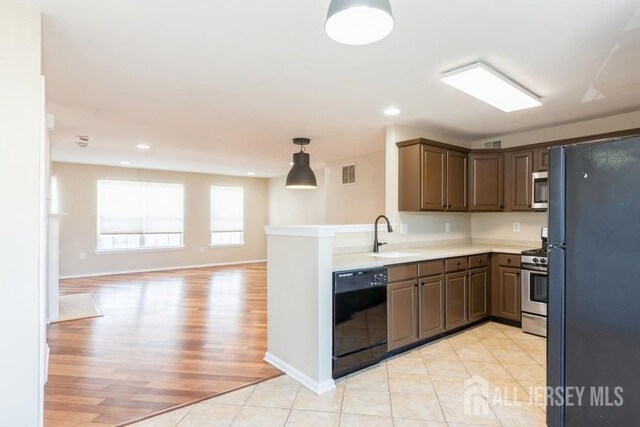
(492, 144)
(348, 174)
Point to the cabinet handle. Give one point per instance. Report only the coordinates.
(501, 206)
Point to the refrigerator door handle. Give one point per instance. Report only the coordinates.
(562, 246)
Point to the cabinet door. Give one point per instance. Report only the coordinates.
(434, 174)
(509, 291)
(541, 159)
(409, 178)
(431, 306)
(402, 313)
(520, 170)
(457, 181)
(479, 294)
(456, 297)
(486, 181)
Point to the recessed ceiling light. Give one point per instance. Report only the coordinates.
(290, 163)
(391, 111)
(124, 162)
(143, 146)
(358, 22)
(251, 173)
(488, 85)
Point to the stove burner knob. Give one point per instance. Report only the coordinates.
(535, 260)
(543, 260)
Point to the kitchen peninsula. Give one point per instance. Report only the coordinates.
(301, 261)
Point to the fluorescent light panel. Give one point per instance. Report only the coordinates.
(487, 85)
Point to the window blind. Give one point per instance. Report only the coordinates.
(135, 207)
(227, 208)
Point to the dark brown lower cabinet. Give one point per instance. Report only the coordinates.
(402, 313)
(431, 306)
(456, 297)
(509, 292)
(479, 302)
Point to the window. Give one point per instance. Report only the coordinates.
(137, 215)
(54, 204)
(227, 215)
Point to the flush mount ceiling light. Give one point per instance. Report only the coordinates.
(124, 162)
(359, 22)
(143, 146)
(301, 176)
(488, 85)
(391, 111)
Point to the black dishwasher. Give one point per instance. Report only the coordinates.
(359, 319)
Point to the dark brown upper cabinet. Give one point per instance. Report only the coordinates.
(434, 182)
(541, 159)
(520, 168)
(486, 181)
(432, 176)
(457, 167)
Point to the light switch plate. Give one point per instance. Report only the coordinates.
(83, 255)
(516, 227)
(447, 227)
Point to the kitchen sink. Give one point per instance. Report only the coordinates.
(393, 254)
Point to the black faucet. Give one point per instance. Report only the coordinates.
(376, 245)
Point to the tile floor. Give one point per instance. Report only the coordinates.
(489, 375)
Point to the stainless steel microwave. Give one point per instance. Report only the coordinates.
(540, 191)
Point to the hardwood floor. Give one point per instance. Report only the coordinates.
(166, 339)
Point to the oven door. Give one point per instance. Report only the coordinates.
(540, 190)
(535, 290)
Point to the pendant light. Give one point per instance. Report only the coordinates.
(301, 176)
(358, 22)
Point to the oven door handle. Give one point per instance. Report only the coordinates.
(536, 268)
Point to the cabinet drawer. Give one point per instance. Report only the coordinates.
(476, 261)
(456, 264)
(430, 268)
(400, 272)
(509, 260)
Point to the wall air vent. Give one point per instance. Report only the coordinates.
(492, 144)
(348, 174)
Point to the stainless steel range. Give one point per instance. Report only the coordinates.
(535, 289)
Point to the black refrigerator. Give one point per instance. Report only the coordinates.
(594, 284)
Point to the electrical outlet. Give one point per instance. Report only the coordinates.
(83, 255)
(201, 249)
(447, 227)
(516, 227)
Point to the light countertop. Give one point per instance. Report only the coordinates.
(367, 260)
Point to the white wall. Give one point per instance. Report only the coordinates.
(332, 202)
(77, 187)
(571, 130)
(297, 207)
(497, 228)
(426, 226)
(21, 229)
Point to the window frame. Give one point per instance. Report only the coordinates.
(100, 250)
(225, 245)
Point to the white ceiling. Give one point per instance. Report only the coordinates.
(222, 86)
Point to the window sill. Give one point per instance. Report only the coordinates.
(135, 250)
(234, 245)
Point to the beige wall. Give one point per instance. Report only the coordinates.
(297, 207)
(361, 202)
(498, 227)
(332, 202)
(77, 186)
(571, 130)
(21, 217)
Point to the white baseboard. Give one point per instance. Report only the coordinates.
(313, 385)
(150, 270)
